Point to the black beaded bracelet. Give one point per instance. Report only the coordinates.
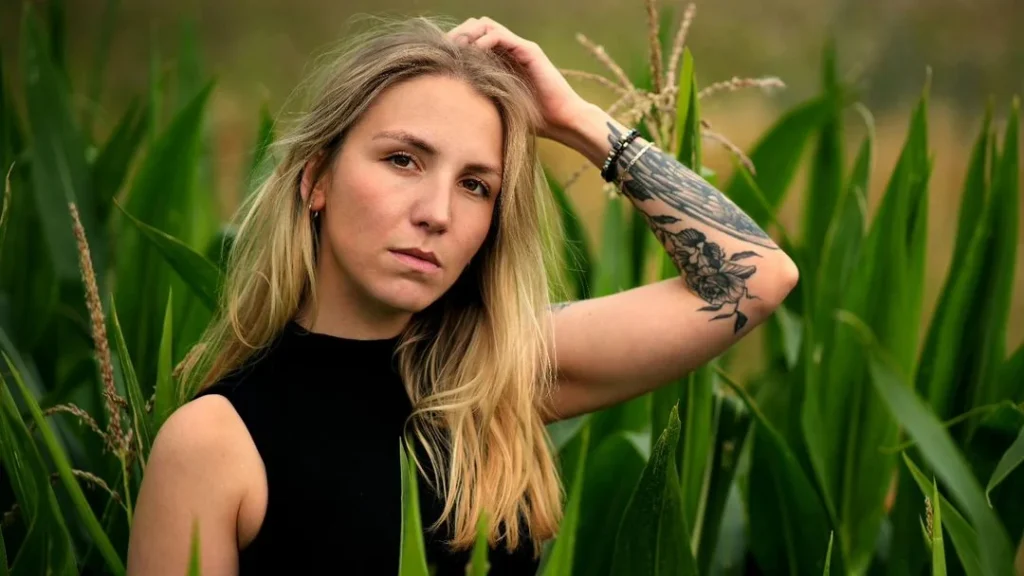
(608, 170)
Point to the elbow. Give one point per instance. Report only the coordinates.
(786, 277)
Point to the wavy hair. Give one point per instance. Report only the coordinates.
(476, 363)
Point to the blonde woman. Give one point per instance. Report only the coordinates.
(388, 281)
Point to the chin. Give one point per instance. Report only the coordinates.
(406, 296)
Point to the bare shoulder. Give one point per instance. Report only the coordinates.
(203, 469)
(201, 432)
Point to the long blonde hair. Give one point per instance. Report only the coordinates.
(476, 363)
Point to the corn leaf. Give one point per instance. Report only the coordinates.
(653, 535)
(828, 555)
(479, 561)
(612, 471)
(946, 349)
(826, 186)
(166, 398)
(577, 256)
(690, 139)
(194, 552)
(3, 556)
(1011, 375)
(164, 197)
(59, 171)
(561, 559)
(199, 273)
(112, 164)
(776, 157)
(97, 72)
(30, 481)
(261, 162)
(998, 286)
(684, 98)
(963, 537)
(938, 450)
(788, 521)
(936, 545)
(413, 560)
(1010, 460)
(732, 424)
(696, 403)
(141, 426)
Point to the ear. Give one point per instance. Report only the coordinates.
(314, 194)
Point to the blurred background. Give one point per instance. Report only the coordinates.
(258, 50)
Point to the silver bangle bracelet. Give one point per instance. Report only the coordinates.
(633, 160)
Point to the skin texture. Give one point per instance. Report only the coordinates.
(732, 277)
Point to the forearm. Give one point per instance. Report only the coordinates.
(724, 256)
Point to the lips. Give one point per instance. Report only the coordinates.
(418, 259)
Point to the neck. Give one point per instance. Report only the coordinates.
(346, 312)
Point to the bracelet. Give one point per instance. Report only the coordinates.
(608, 170)
(632, 161)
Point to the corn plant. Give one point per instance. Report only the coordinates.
(869, 442)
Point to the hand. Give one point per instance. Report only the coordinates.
(559, 104)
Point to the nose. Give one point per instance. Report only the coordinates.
(433, 208)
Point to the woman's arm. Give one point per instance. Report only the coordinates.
(616, 347)
(197, 474)
(733, 276)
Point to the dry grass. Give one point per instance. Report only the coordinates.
(118, 441)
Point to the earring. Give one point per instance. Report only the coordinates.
(315, 213)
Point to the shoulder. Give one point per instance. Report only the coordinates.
(202, 441)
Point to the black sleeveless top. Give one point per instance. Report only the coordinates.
(326, 415)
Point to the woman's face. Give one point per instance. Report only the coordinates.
(419, 172)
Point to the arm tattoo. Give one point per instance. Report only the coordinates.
(718, 279)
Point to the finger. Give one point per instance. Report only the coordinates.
(469, 30)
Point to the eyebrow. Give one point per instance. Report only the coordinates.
(430, 150)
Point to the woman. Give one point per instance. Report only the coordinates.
(388, 281)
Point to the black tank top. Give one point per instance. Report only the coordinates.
(326, 415)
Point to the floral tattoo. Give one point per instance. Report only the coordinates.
(720, 280)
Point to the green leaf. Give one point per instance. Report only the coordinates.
(776, 157)
(1010, 460)
(108, 24)
(948, 348)
(683, 100)
(413, 561)
(59, 172)
(696, 403)
(938, 450)
(201, 275)
(60, 461)
(114, 160)
(577, 257)
(690, 138)
(479, 564)
(166, 398)
(964, 538)
(846, 425)
(788, 521)
(1011, 375)
(826, 186)
(3, 556)
(999, 280)
(560, 560)
(164, 196)
(194, 554)
(653, 535)
(936, 545)
(261, 163)
(828, 555)
(141, 426)
(612, 472)
(732, 424)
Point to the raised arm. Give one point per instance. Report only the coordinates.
(733, 276)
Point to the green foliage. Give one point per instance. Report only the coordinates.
(704, 475)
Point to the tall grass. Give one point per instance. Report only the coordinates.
(867, 444)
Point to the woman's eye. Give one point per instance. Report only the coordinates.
(400, 160)
(477, 186)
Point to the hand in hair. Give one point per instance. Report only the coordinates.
(558, 102)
